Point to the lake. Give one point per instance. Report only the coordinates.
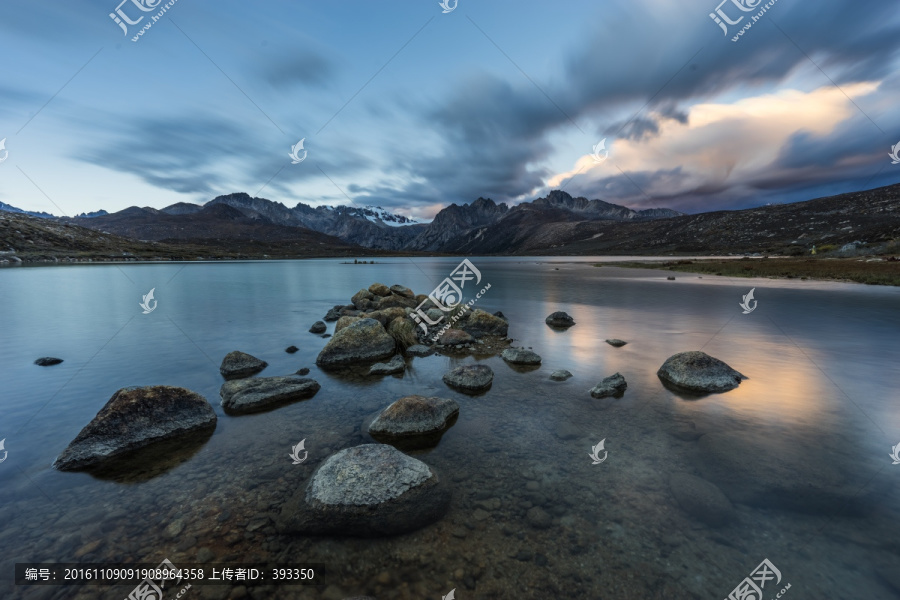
(801, 448)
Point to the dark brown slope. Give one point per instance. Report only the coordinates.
(871, 216)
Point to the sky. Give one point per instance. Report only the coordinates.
(644, 103)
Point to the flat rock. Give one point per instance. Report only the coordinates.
(560, 375)
(520, 356)
(470, 378)
(479, 323)
(420, 350)
(613, 385)
(240, 364)
(699, 372)
(701, 499)
(455, 337)
(361, 341)
(367, 491)
(616, 342)
(318, 327)
(559, 319)
(136, 417)
(402, 290)
(47, 361)
(393, 366)
(414, 422)
(252, 395)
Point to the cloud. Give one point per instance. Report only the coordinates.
(307, 68)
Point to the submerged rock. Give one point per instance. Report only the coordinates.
(520, 356)
(393, 366)
(369, 490)
(701, 499)
(318, 327)
(48, 361)
(414, 422)
(134, 418)
(240, 364)
(559, 319)
(253, 395)
(560, 375)
(470, 378)
(616, 342)
(613, 385)
(699, 372)
(420, 350)
(455, 337)
(361, 341)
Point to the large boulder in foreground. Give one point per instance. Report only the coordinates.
(699, 372)
(361, 341)
(136, 417)
(253, 395)
(367, 491)
(240, 364)
(470, 378)
(414, 422)
(480, 323)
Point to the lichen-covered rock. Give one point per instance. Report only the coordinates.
(470, 378)
(403, 331)
(414, 422)
(479, 323)
(261, 393)
(402, 290)
(363, 299)
(614, 385)
(134, 418)
(395, 300)
(455, 337)
(240, 364)
(366, 491)
(520, 356)
(362, 341)
(379, 289)
(697, 371)
(345, 322)
(559, 319)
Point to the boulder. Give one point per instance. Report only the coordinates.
(371, 490)
(560, 375)
(616, 342)
(420, 350)
(395, 300)
(333, 314)
(361, 341)
(402, 290)
(261, 393)
(393, 366)
(291, 349)
(701, 499)
(303, 371)
(699, 372)
(47, 361)
(136, 417)
(362, 299)
(470, 378)
(238, 364)
(379, 289)
(455, 337)
(385, 316)
(344, 322)
(435, 314)
(318, 327)
(614, 385)
(520, 356)
(559, 319)
(480, 323)
(403, 331)
(414, 422)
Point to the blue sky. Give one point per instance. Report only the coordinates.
(412, 109)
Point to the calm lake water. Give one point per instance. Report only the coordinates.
(801, 447)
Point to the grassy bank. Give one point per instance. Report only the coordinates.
(881, 271)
